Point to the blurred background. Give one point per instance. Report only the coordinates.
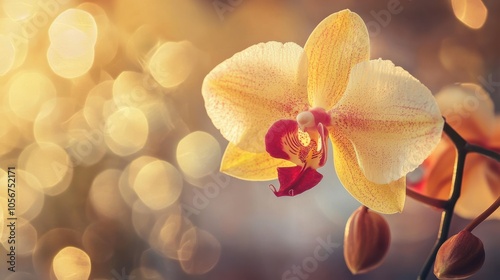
(117, 162)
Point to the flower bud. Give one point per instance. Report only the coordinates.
(459, 257)
(366, 240)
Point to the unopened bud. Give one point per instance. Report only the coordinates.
(366, 241)
(459, 257)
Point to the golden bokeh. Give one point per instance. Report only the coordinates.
(198, 154)
(104, 194)
(142, 219)
(29, 198)
(7, 54)
(27, 92)
(107, 43)
(50, 164)
(117, 161)
(19, 9)
(126, 131)
(15, 31)
(172, 62)
(133, 89)
(199, 251)
(73, 35)
(99, 104)
(166, 235)
(71, 264)
(47, 247)
(85, 144)
(472, 13)
(158, 184)
(140, 43)
(127, 179)
(48, 126)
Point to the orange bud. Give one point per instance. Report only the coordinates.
(366, 240)
(459, 257)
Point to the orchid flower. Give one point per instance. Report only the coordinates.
(470, 111)
(278, 104)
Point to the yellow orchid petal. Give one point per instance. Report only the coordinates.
(338, 43)
(392, 120)
(251, 166)
(386, 198)
(248, 92)
(468, 108)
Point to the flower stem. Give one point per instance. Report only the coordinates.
(479, 219)
(483, 151)
(448, 206)
(446, 217)
(438, 203)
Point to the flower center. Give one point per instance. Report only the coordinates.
(311, 118)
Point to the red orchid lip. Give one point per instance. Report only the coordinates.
(296, 180)
(306, 150)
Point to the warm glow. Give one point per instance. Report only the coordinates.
(73, 36)
(49, 123)
(167, 232)
(86, 145)
(172, 63)
(104, 194)
(134, 89)
(158, 184)
(128, 177)
(198, 154)
(50, 164)
(199, 252)
(126, 131)
(27, 92)
(19, 9)
(71, 264)
(30, 198)
(99, 104)
(7, 54)
(472, 13)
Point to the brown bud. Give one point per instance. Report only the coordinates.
(366, 240)
(459, 257)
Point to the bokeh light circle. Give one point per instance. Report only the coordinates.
(158, 184)
(71, 263)
(198, 154)
(127, 131)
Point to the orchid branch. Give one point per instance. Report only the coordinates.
(438, 203)
(462, 148)
(479, 219)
